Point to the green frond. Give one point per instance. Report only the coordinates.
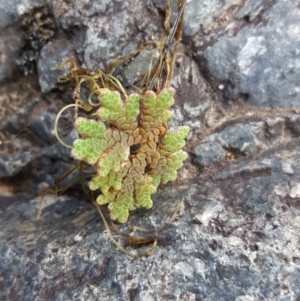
(89, 127)
(130, 158)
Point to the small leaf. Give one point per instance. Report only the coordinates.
(119, 211)
(102, 199)
(111, 100)
(165, 99)
(132, 106)
(104, 114)
(96, 182)
(90, 128)
(170, 176)
(86, 149)
(105, 165)
(183, 132)
(150, 100)
(156, 180)
(144, 200)
(174, 140)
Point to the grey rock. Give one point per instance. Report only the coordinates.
(51, 57)
(110, 28)
(202, 13)
(12, 164)
(191, 89)
(260, 62)
(19, 98)
(284, 162)
(42, 126)
(10, 44)
(241, 168)
(293, 125)
(56, 151)
(275, 127)
(38, 27)
(250, 9)
(138, 68)
(12, 11)
(236, 235)
(79, 13)
(247, 139)
(107, 30)
(101, 48)
(241, 138)
(198, 13)
(209, 153)
(234, 231)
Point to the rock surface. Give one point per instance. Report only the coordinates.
(236, 235)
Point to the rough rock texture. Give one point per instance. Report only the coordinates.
(10, 43)
(258, 61)
(12, 11)
(236, 236)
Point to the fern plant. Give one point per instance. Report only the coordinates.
(130, 148)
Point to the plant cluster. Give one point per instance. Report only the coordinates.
(124, 137)
(130, 148)
(127, 140)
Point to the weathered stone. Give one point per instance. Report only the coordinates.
(42, 127)
(10, 44)
(138, 68)
(260, 62)
(192, 89)
(250, 9)
(240, 138)
(236, 235)
(110, 27)
(12, 11)
(11, 165)
(198, 13)
(202, 13)
(243, 234)
(52, 55)
(209, 153)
